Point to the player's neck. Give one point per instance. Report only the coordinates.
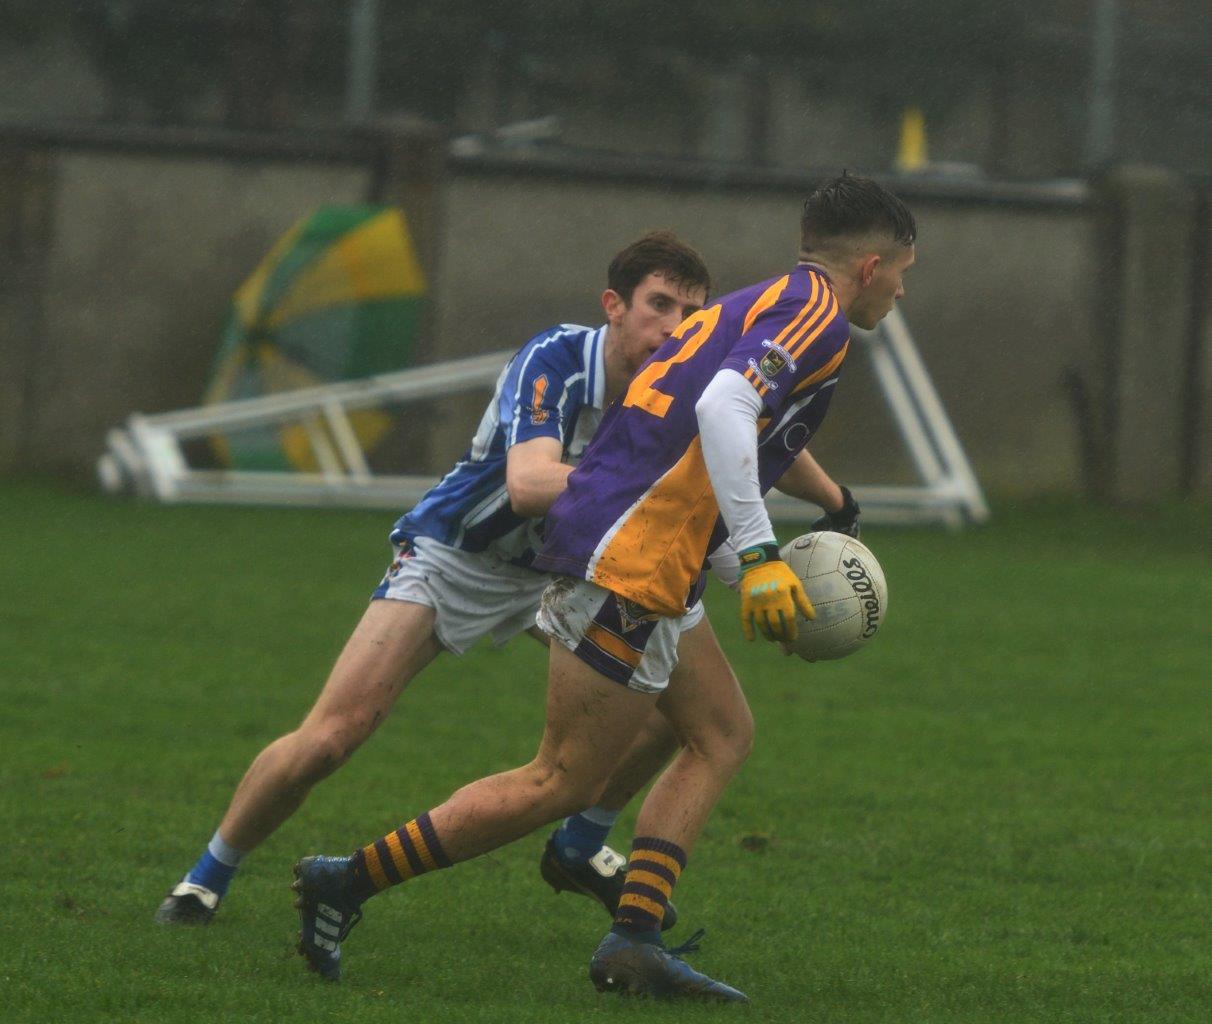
(812, 263)
(617, 374)
(840, 280)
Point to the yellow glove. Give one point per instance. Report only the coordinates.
(770, 594)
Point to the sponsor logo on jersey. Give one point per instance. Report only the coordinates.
(795, 437)
(774, 362)
(538, 414)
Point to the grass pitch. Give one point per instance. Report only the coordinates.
(999, 812)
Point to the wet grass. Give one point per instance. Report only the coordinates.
(999, 812)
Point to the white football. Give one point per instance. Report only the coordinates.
(846, 587)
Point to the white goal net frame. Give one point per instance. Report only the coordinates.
(146, 456)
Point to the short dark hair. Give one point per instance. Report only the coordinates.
(658, 252)
(850, 206)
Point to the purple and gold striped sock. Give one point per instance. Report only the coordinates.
(652, 872)
(410, 850)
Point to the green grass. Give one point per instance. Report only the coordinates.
(1000, 812)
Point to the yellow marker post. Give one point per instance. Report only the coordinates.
(911, 154)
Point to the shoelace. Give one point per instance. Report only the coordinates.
(691, 945)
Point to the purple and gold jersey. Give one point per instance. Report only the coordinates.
(639, 515)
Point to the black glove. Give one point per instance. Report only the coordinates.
(844, 520)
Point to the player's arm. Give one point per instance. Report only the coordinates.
(806, 480)
(771, 593)
(535, 476)
(725, 564)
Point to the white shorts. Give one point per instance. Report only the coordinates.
(473, 594)
(612, 635)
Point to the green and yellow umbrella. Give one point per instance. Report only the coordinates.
(340, 296)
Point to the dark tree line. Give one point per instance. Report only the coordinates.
(279, 63)
(256, 63)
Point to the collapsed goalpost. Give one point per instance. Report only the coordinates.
(146, 456)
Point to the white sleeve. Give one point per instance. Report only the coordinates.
(728, 412)
(725, 563)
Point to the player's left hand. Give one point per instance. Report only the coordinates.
(770, 595)
(844, 520)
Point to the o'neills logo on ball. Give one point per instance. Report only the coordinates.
(864, 590)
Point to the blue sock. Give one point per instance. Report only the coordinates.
(582, 835)
(216, 867)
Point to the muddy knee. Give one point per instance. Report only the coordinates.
(564, 792)
(320, 750)
(727, 745)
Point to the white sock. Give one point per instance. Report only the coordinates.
(223, 853)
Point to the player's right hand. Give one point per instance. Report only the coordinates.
(844, 520)
(770, 595)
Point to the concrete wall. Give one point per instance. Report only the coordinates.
(999, 303)
(117, 269)
(140, 278)
(120, 254)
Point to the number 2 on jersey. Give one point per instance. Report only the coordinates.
(693, 333)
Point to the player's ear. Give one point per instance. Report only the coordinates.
(614, 305)
(866, 268)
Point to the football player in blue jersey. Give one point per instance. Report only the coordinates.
(461, 572)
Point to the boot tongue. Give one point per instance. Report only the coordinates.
(607, 863)
(208, 899)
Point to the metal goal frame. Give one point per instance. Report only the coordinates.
(146, 455)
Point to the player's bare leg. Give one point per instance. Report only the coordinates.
(589, 720)
(705, 704)
(707, 709)
(392, 643)
(649, 753)
(575, 857)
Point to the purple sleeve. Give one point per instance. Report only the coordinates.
(790, 346)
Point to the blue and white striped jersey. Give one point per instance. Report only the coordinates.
(555, 386)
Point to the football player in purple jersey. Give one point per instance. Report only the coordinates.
(718, 415)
